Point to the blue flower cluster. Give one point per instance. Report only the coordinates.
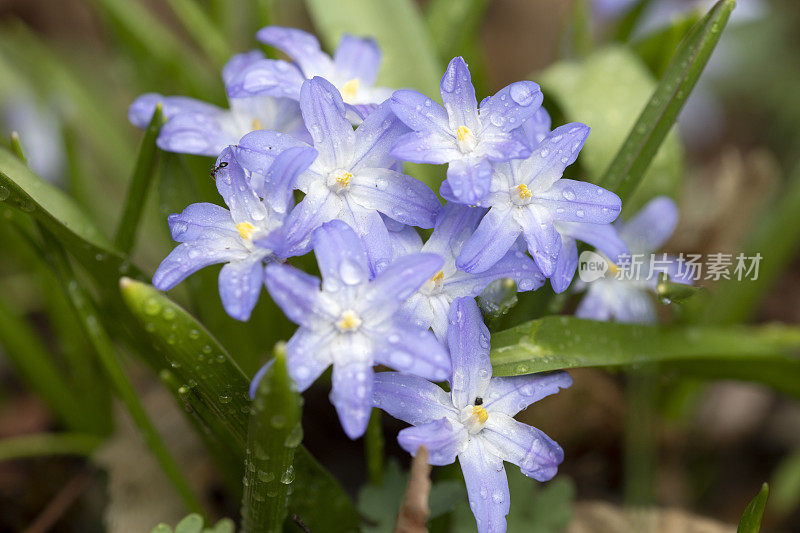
(319, 125)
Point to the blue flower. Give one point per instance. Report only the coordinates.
(528, 197)
(461, 134)
(629, 298)
(430, 305)
(352, 322)
(211, 234)
(352, 70)
(197, 127)
(352, 179)
(474, 423)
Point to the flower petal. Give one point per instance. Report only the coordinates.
(272, 77)
(441, 439)
(301, 46)
(537, 455)
(468, 341)
(425, 147)
(297, 294)
(511, 106)
(604, 237)
(340, 256)
(536, 128)
(544, 242)
(469, 179)
(141, 110)
(455, 223)
(375, 137)
(420, 113)
(396, 195)
(325, 116)
(515, 265)
(232, 185)
(239, 62)
(351, 394)
(357, 58)
(491, 241)
(397, 282)
(257, 150)
(487, 486)
(566, 264)
(370, 227)
(410, 398)
(503, 146)
(580, 201)
(318, 206)
(198, 134)
(652, 226)
(240, 285)
(188, 258)
(414, 350)
(280, 178)
(458, 96)
(201, 221)
(556, 152)
(307, 356)
(510, 395)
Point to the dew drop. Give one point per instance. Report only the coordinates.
(288, 476)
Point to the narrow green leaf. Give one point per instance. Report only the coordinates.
(625, 83)
(751, 519)
(670, 291)
(453, 24)
(22, 189)
(498, 298)
(216, 384)
(397, 25)
(202, 30)
(786, 485)
(104, 348)
(27, 446)
(774, 236)
(272, 437)
(140, 183)
(770, 352)
(374, 447)
(16, 147)
(628, 167)
(657, 48)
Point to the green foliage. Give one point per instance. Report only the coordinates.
(624, 85)
(627, 170)
(767, 354)
(193, 523)
(408, 53)
(498, 298)
(751, 519)
(273, 435)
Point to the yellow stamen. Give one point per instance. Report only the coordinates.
(245, 229)
(481, 413)
(256, 125)
(350, 88)
(463, 132)
(439, 276)
(348, 321)
(343, 179)
(523, 191)
(613, 269)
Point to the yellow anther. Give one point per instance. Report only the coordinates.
(523, 191)
(245, 229)
(613, 269)
(348, 321)
(256, 125)
(439, 276)
(481, 413)
(349, 89)
(463, 133)
(343, 179)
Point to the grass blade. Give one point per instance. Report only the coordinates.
(202, 30)
(408, 52)
(27, 446)
(453, 24)
(626, 170)
(273, 435)
(104, 348)
(751, 519)
(143, 174)
(216, 385)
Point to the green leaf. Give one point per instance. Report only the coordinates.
(374, 447)
(498, 298)
(625, 85)
(43, 444)
(397, 25)
(22, 189)
(272, 437)
(217, 386)
(670, 291)
(628, 167)
(140, 183)
(193, 523)
(764, 353)
(786, 485)
(751, 519)
(657, 48)
(454, 24)
(202, 30)
(774, 236)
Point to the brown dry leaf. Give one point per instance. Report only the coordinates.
(602, 517)
(414, 512)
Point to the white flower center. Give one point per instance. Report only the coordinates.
(474, 418)
(350, 90)
(348, 321)
(466, 139)
(433, 285)
(521, 194)
(339, 181)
